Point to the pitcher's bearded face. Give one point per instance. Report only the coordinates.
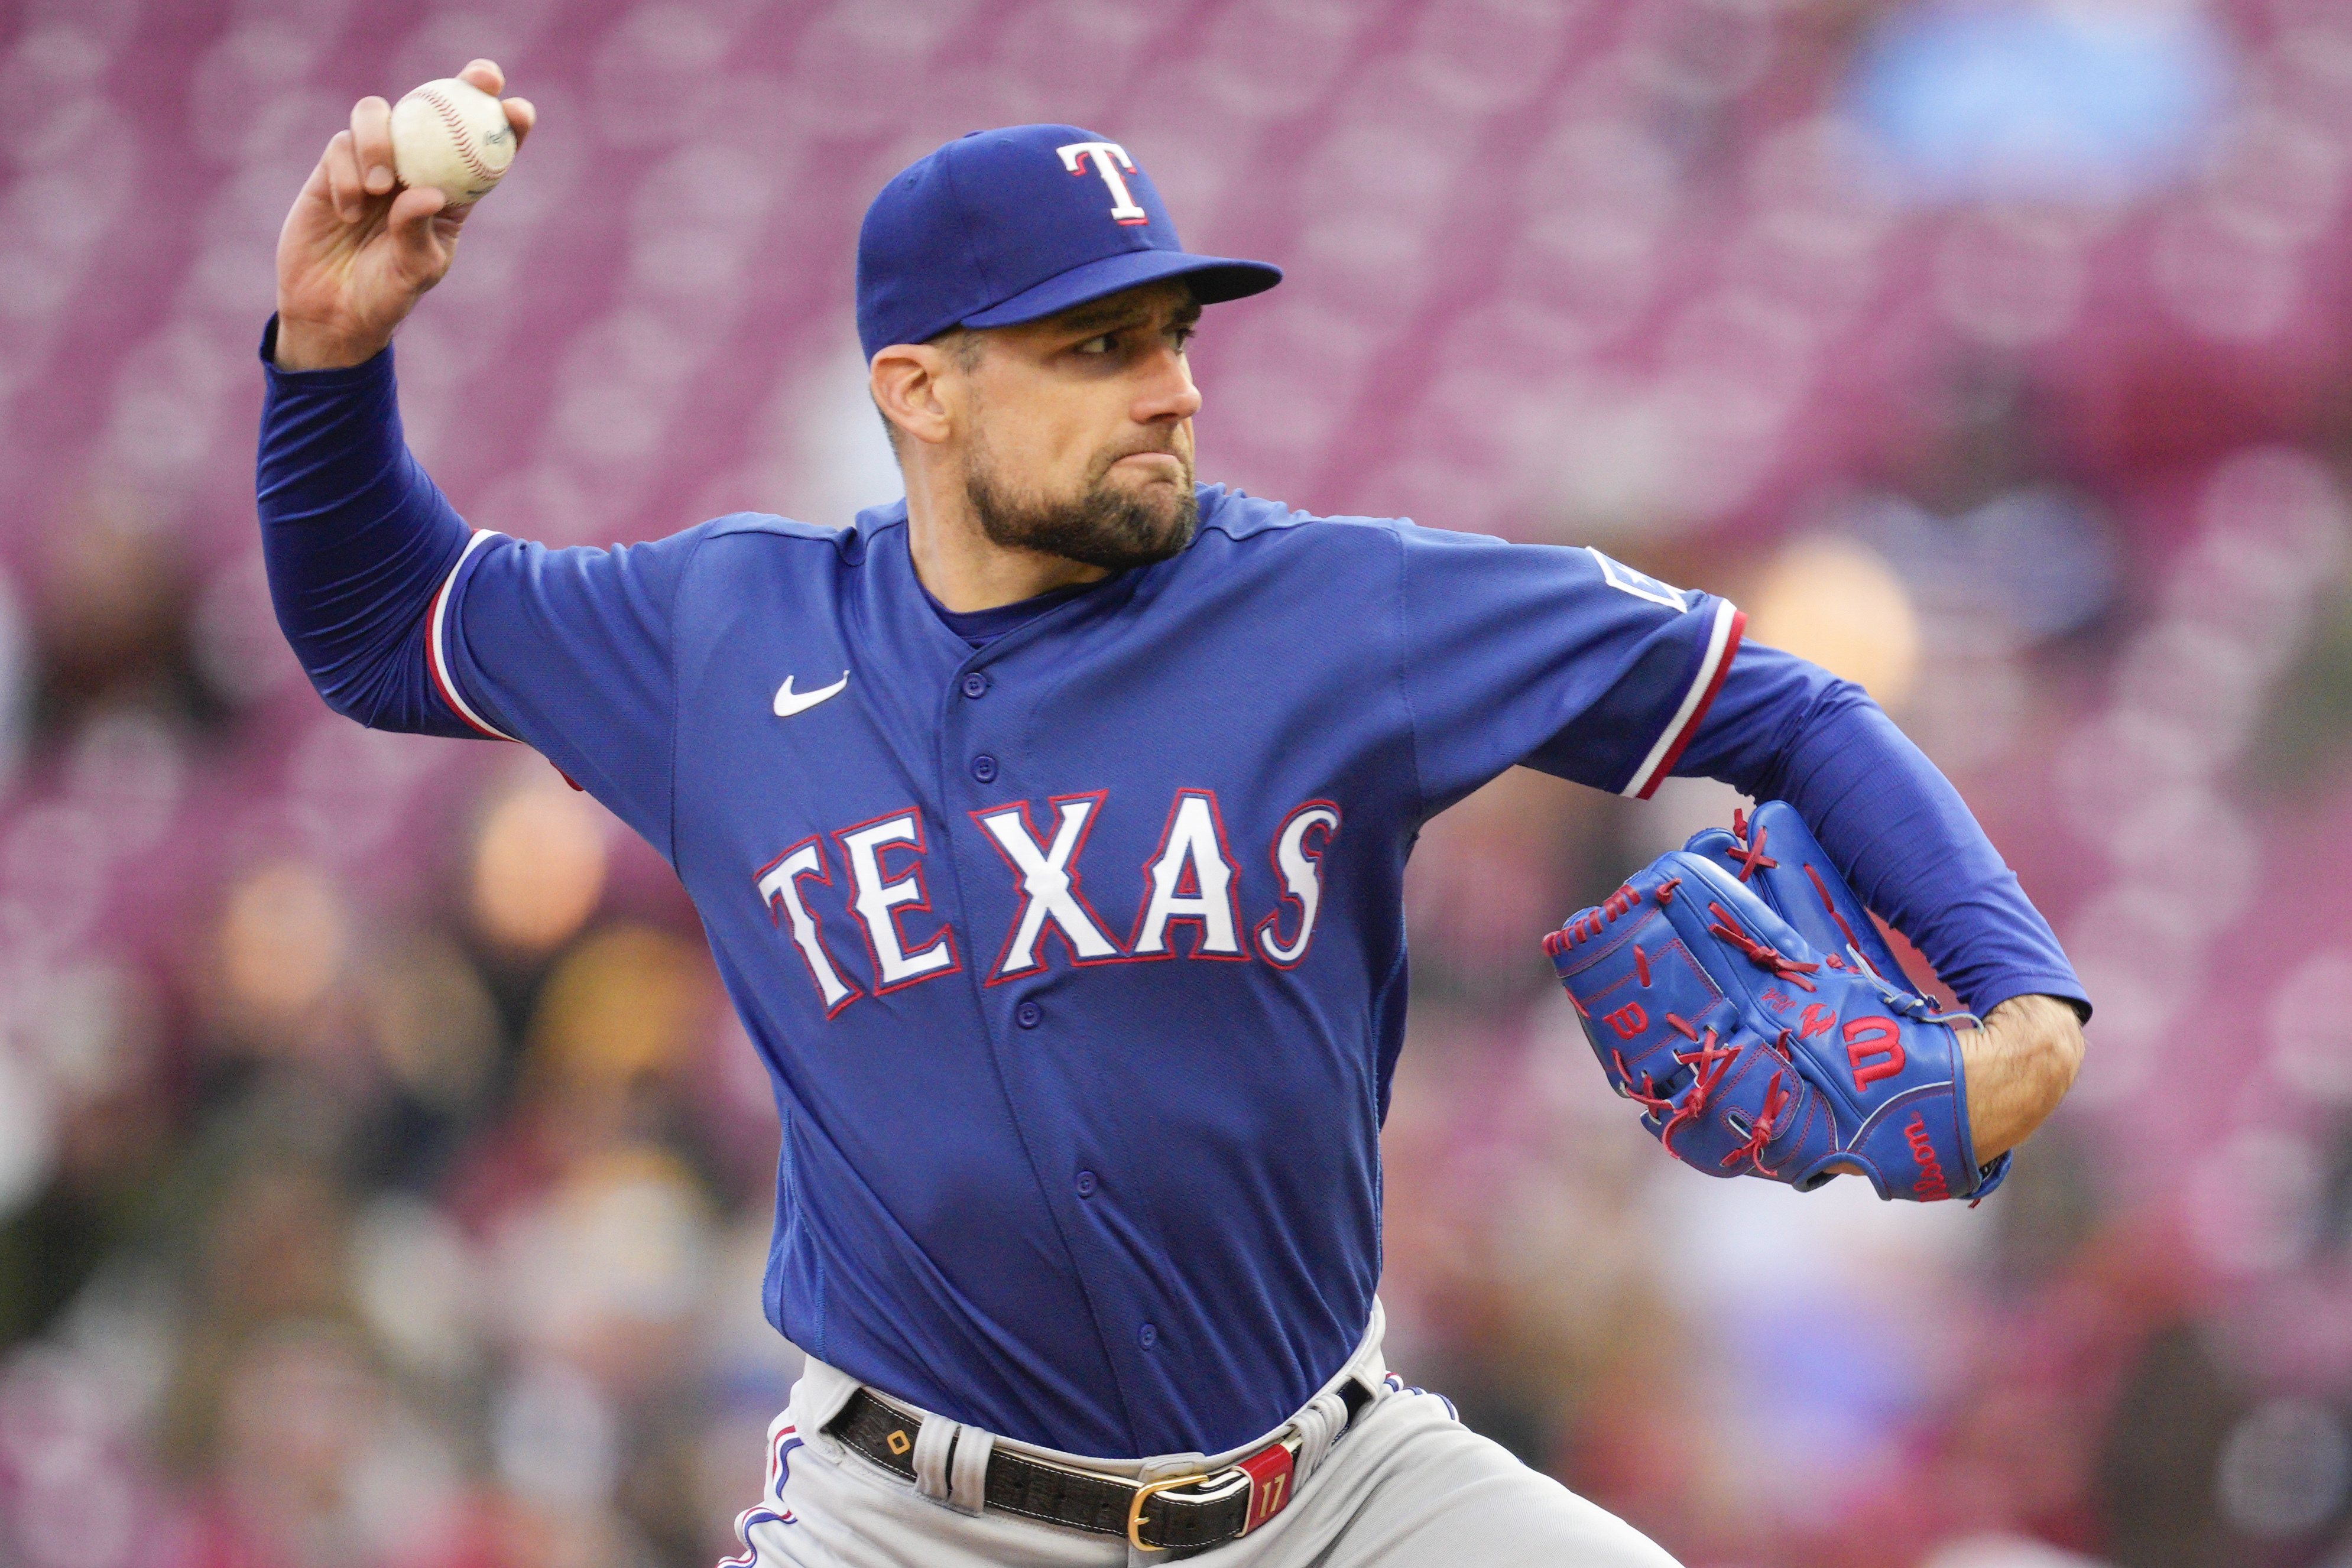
(1079, 430)
(1131, 508)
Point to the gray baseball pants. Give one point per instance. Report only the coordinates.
(1404, 1486)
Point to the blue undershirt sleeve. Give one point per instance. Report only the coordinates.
(357, 540)
(1782, 728)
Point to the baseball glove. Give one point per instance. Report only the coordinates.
(1737, 990)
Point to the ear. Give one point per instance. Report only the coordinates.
(909, 382)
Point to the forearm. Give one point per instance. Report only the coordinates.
(2019, 1066)
(357, 540)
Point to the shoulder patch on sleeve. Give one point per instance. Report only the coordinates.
(1625, 579)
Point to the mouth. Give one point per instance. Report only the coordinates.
(1159, 464)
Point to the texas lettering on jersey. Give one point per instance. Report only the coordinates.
(1188, 902)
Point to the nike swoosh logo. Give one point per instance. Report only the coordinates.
(789, 702)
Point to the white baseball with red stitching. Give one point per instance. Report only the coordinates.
(452, 135)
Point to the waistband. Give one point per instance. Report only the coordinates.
(950, 1458)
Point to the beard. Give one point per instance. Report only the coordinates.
(1102, 525)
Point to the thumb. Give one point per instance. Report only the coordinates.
(410, 222)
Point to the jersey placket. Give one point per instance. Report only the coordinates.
(1016, 832)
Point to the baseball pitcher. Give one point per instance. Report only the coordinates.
(1049, 829)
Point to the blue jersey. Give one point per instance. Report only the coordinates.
(1077, 958)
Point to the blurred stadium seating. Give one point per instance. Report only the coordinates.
(381, 1182)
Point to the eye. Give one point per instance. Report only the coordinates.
(1096, 345)
(1184, 336)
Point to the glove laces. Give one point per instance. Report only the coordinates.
(1647, 1095)
(1762, 955)
(1749, 856)
(1589, 924)
(1709, 1063)
(1776, 1100)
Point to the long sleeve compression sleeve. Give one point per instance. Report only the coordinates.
(1782, 728)
(357, 540)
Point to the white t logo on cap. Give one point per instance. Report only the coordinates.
(1109, 158)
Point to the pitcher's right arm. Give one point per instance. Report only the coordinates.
(403, 616)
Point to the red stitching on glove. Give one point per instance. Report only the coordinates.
(1641, 963)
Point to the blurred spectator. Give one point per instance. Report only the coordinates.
(110, 622)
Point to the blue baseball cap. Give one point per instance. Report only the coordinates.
(1003, 226)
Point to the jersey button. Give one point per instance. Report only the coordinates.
(984, 768)
(1086, 1183)
(1028, 1014)
(1147, 1336)
(975, 685)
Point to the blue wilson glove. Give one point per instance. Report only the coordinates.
(1755, 1051)
(1784, 865)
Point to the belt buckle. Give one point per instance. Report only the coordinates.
(1144, 1494)
(1267, 1472)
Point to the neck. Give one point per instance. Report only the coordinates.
(962, 567)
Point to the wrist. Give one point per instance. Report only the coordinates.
(309, 346)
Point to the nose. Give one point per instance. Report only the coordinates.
(1168, 394)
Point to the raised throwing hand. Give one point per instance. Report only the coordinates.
(358, 250)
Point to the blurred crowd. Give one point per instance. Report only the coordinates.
(383, 1183)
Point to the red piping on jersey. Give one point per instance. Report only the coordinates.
(441, 682)
(1698, 715)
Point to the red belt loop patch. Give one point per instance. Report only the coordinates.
(1269, 1473)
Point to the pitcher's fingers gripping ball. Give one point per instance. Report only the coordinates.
(1737, 990)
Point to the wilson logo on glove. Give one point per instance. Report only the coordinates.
(1866, 1038)
(1729, 1086)
(1931, 1186)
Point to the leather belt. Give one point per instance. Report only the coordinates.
(1193, 1510)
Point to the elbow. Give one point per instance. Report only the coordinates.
(343, 687)
(375, 697)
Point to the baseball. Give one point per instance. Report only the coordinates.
(451, 135)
